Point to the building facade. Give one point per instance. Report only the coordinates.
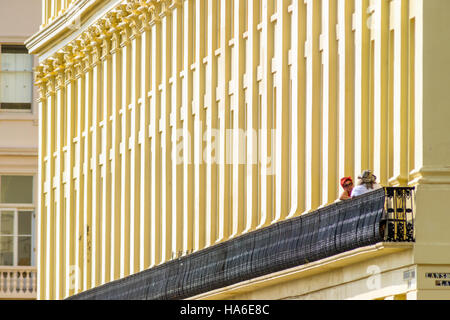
(19, 134)
(171, 126)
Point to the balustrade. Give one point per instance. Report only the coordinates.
(18, 282)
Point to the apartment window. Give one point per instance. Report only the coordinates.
(16, 78)
(17, 221)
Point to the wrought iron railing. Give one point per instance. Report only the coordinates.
(398, 220)
(382, 215)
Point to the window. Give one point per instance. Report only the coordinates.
(16, 78)
(17, 221)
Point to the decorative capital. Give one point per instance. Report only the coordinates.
(59, 67)
(40, 80)
(105, 37)
(133, 17)
(69, 61)
(48, 78)
(95, 42)
(164, 7)
(124, 25)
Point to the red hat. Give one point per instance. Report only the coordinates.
(343, 180)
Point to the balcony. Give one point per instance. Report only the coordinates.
(382, 216)
(18, 283)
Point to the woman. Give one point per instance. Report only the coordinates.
(347, 185)
(367, 182)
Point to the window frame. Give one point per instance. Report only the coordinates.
(15, 235)
(20, 111)
(21, 207)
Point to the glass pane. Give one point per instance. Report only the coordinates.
(6, 251)
(25, 222)
(8, 89)
(24, 258)
(16, 189)
(16, 89)
(8, 62)
(6, 222)
(23, 92)
(24, 62)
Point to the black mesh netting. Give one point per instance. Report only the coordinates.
(337, 228)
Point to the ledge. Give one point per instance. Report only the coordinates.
(302, 271)
(23, 152)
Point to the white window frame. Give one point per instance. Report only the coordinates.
(20, 111)
(16, 235)
(16, 207)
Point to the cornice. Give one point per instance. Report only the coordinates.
(115, 29)
(63, 25)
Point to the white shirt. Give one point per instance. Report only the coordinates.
(361, 189)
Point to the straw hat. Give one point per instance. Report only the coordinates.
(367, 177)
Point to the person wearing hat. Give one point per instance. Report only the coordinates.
(347, 185)
(367, 182)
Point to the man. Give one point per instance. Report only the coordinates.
(347, 185)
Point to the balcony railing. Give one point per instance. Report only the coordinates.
(398, 215)
(384, 215)
(18, 283)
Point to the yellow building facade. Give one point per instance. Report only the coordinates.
(169, 126)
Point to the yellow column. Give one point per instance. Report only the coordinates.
(282, 113)
(94, 158)
(199, 115)
(313, 101)
(50, 218)
(328, 46)
(42, 253)
(379, 23)
(186, 116)
(144, 141)
(224, 75)
(166, 141)
(346, 88)
(70, 216)
(363, 116)
(432, 147)
(155, 107)
(238, 112)
(412, 84)
(87, 173)
(267, 157)
(399, 15)
(177, 195)
(135, 148)
(106, 127)
(252, 110)
(124, 147)
(298, 118)
(80, 222)
(58, 184)
(116, 138)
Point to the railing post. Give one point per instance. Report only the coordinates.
(1, 282)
